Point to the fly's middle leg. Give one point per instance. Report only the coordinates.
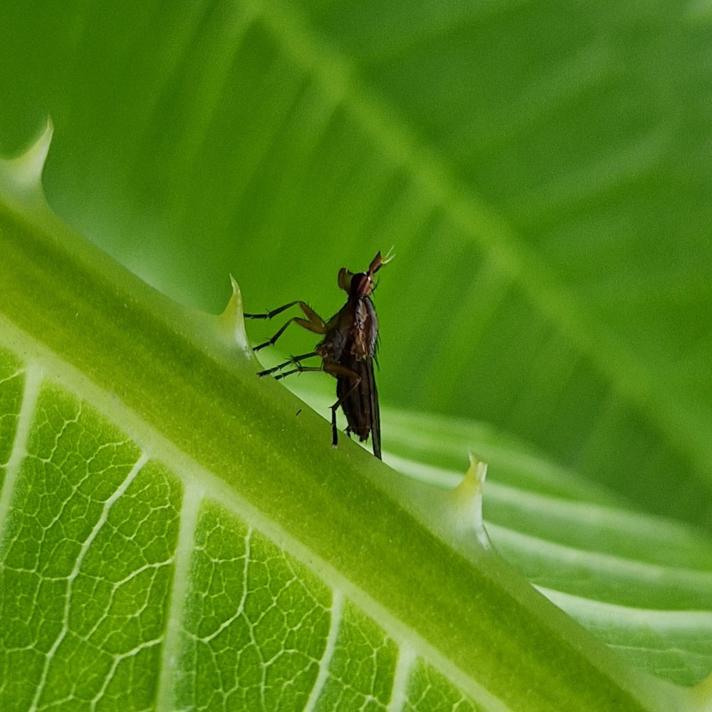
(293, 361)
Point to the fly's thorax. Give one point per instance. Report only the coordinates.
(332, 345)
(365, 329)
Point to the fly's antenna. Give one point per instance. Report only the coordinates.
(377, 262)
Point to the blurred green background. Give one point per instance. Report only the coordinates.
(543, 170)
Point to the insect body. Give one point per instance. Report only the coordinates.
(347, 351)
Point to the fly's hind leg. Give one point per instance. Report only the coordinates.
(298, 369)
(339, 371)
(313, 321)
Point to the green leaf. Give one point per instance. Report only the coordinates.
(174, 536)
(541, 169)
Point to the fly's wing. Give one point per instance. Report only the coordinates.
(369, 376)
(360, 404)
(375, 411)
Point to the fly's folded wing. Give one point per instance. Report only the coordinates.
(360, 403)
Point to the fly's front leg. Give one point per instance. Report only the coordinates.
(313, 321)
(274, 312)
(354, 379)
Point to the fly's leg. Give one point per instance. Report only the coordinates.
(293, 361)
(299, 369)
(313, 321)
(340, 372)
(274, 312)
(295, 319)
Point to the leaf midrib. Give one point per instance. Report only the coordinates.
(200, 484)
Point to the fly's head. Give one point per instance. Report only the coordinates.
(361, 284)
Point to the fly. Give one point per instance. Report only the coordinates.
(347, 352)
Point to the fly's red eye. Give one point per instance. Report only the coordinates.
(361, 284)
